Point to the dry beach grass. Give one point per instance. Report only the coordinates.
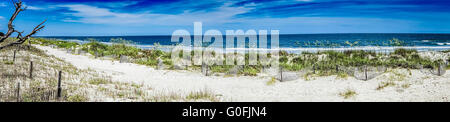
(78, 85)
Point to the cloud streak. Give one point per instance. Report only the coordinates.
(2, 4)
(96, 15)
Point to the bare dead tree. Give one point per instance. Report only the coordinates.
(20, 38)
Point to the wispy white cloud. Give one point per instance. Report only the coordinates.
(1, 20)
(117, 4)
(2, 4)
(34, 8)
(95, 15)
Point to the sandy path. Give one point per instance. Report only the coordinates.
(424, 87)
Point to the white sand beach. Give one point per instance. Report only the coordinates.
(415, 86)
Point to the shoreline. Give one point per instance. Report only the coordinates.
(439, 46)
(167, 48)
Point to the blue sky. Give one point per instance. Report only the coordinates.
(141, 17)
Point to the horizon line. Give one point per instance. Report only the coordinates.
(257, 34)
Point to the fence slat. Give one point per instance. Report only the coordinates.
(365, 72)
(31, 69)
(14, 57)
(18, 92)
(59, 85)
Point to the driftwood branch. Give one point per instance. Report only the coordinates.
(20, 38)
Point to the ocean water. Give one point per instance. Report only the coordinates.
(303, 42)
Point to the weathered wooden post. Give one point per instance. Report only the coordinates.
(314, 68)
(29, 44)
(31, 69)
(18, 92)
(14, 57)
(323, 66)
(337, 68)
(365, 72)
(439, 69)
(207, 70)
(281, 74)
(120, 59)
(59, 85)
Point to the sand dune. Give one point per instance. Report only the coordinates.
(419, 86)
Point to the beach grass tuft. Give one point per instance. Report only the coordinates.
(348, 93)
(98, 81)
(202, 95)
(272, 81)
(383, 85)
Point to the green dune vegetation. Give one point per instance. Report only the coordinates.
(322, 63)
